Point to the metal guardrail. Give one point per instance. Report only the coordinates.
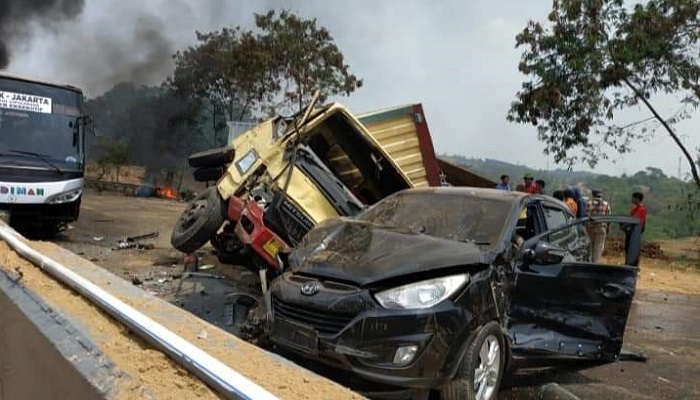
(226, 381)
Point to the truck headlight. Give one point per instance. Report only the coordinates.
(65, 197)
(424, 294)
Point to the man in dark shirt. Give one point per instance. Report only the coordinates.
(540, 186)
(504, 184)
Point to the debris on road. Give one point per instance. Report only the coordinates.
(191, 262)
(172, 262)
(134, 242)
(137, 246)
(629, 355)
(206, 267)
(553, 391)
(202, 275)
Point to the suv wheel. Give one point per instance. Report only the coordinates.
(482, 368)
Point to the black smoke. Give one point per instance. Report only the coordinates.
(18, 16)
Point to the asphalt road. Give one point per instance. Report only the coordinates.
(662, 326)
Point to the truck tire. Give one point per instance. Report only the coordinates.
(199, 222)
(208, 174)
(212, 158)
(486, 357)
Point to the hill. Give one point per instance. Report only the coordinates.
(673, 205)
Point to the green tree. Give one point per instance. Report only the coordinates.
(227, 70)
(595, 59)
(237, 72)
(304, 58)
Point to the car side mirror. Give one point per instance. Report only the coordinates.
(544, 253)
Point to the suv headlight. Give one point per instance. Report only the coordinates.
(65, 197)
(424, 294)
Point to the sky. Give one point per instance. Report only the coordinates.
(457, 58)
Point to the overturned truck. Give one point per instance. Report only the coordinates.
(277, 180)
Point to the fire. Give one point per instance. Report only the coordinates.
(167, 192)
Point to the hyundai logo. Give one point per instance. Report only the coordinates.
(309, 288)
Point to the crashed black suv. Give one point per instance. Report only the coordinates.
(445, 289)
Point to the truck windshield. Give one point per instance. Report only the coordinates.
(37, 126)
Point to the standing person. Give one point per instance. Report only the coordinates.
(504, 184)
(580, 202)
(540, 186)
(638, 211)
(570, 201)
(530, 185)
(558, 194)
(598, 231)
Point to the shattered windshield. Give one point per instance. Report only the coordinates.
(452, 216)
(36, 125)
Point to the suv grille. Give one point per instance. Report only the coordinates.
(324, 322)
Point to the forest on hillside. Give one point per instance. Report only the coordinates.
(673, 204)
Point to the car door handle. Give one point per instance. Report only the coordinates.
(614, 291)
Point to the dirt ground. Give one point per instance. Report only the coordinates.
(666, 276)
(663, 324)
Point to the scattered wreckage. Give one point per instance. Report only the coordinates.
(280, 179)
(451, 296)
(277, 180)
(365, 269)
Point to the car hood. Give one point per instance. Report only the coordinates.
(363, 253)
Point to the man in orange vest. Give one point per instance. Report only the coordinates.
(570, 201)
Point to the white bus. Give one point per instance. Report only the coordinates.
(42, 153)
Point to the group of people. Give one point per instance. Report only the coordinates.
(529, 185)
(580, 207)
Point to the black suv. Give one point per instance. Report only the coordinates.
(445, 289)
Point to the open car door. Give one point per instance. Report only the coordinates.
(564, 309)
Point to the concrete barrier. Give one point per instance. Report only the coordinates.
(92, 370)
(43, 355)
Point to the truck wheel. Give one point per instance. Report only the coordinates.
(481, 371)
(199, 222)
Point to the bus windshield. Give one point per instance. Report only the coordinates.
(38, 125)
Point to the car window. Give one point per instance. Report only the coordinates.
(573, 239)
(556, 217)
(527, 225)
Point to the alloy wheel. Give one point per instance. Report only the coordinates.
(487, 372)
